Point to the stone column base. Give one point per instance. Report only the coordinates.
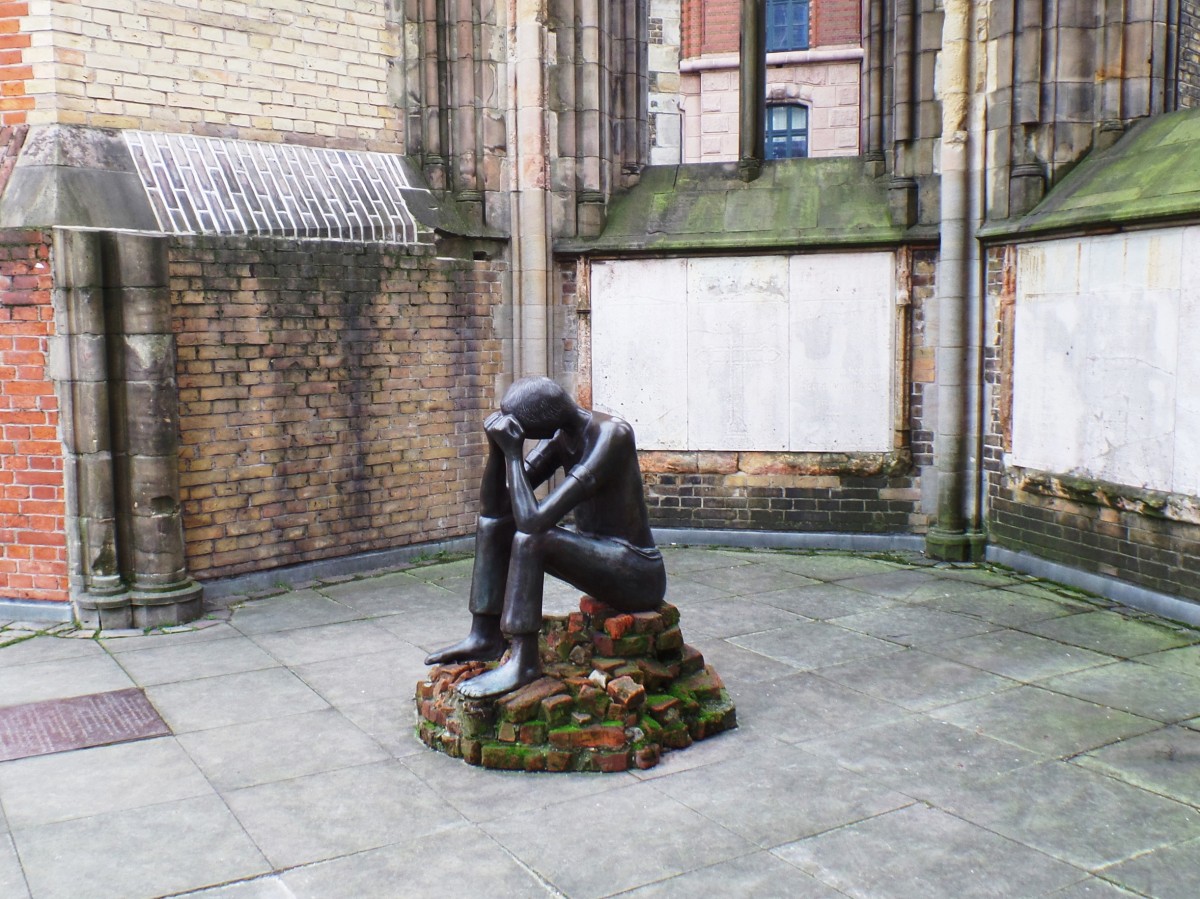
(141, 608)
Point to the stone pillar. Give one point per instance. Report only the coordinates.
(98, 590)
(145, 430)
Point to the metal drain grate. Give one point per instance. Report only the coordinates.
(59, 725)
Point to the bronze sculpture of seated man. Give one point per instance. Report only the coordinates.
(610, 554)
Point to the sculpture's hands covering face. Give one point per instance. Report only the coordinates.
(506, 432)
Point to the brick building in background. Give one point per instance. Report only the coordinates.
(814, 65)
(264, 267)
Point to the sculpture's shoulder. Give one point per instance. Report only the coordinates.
(612, 426)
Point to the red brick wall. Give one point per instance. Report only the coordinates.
(712, 26)
(14, 72)
(835, 22)
(331, 397)
(33, 555)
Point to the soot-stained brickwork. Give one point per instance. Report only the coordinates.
(1189, 54)
(33, 555)
(1105, 528)
(330, 397)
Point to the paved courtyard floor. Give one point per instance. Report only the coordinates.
(905, 730)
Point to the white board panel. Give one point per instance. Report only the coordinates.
(842, 350)
(738, 353)
(639, 347)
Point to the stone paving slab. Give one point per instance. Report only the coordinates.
(905, 730)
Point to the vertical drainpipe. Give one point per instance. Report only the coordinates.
(753, 90)
(957, 534)
(530, 229)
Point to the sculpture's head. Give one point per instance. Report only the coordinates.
(540, 405)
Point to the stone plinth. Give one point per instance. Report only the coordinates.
(618, 690)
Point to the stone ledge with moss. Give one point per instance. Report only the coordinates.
(617, 691)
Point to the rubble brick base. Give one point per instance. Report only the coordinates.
(617, 691)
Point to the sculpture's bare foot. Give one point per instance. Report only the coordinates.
(474, 648)
(509, 676)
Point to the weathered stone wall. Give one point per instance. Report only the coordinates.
(330, 397)
(33, 555)
(1138, 534)
(315, 71)
(1189, 54)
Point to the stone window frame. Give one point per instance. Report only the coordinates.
(790, 134)
(787, 25)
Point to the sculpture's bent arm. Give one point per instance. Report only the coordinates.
(536, 518)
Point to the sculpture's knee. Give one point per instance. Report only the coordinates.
(528, 545)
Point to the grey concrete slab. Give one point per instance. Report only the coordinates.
(47, 649)
(435, 571)
(759, 874)
(1091, 888)
(670, 839)
(978, 574)
(1052, 807)
(738, 667)
(483, 795)
(686, 593)
(171, 663)
(62, 678)
(1172, 872)
(68, 785)
(920, 852)
(1185, 660)
(732, 617)
(1159, 693)
(831, 566)
(743, 743)
(362, 678)
(1006, 607)
(803, 706)
(1043, 722)
(302, 608)
(139, 853)
(233, 699)
(899, 584)
(914, 626)
(1166, 762)
(921, 757)
(323, 816)
(389, 722)
(814, 644)
(244, 755)
(12, 878)
(1113, 634)
(202, 632)
(475, 866)
(391, 594)
(306, 645)
(681, 561)
(745, 798)
(822, 602)
(742, 580)
(916, 680)
(261, 888)
(430, 630)
(1018, 655)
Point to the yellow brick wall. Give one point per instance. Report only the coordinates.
(311, 71)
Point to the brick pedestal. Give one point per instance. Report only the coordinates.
(617, 691)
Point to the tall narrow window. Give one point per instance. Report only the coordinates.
(787, 25)
(787, 131)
